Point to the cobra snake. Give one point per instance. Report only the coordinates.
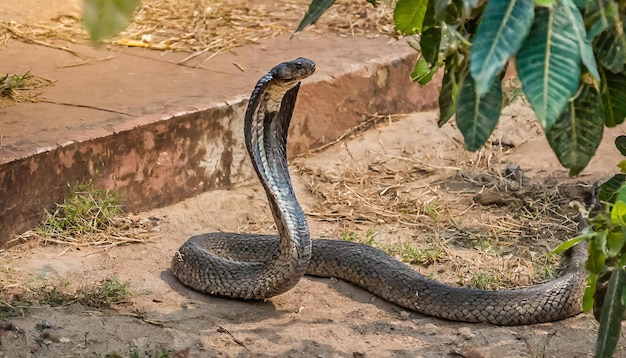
(249, 266)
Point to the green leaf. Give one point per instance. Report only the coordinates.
(477, 116)
(316, 9)
(596, 260)
(614, 243)
(423, 72)
(598, 16)
(577, 133)
(613, 95)
(611, 317)
(441, 8)
(106, 18)
(429, 43)
(586, 52)
(548, 64)
(590, 291)
(618, 213)
(611, 47)
(622, 166)
(621, 194)
(566, 245)
(599, 240)
(449, 88)
(580, 3)
(608, 190)
(448, 10)
(621, 262)
(620, 143)
(409, 16)
(501, 32)
(545, 3)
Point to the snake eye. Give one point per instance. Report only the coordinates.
(299, 65)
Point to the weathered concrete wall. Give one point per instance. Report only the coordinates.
(165, 160)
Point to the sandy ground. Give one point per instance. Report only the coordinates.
(320, 317)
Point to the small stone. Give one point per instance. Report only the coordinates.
(405, 315)
(466, 333)
(473, 352)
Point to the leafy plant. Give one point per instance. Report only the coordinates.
(606, 237)
(554, 44)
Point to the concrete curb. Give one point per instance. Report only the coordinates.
(156, 160)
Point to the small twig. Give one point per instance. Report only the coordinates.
(86, 62)
(361, 127)
(239, 67)
(87, 106)
(193, 55)
(27, 39)
(221, 329)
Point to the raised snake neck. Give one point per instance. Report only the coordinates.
(261, 266)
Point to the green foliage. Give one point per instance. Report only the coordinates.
(613, 93)
(10, 83)
(423, 71)
(606, 237)
(409, 15)
(84, 210)
(485, 281)
(105, 18)
(412, 254)
(477, 116)
(549, 64)
(568, 53)
(612, 315)
(499, 36)
(316, 9)
(577, 132)
(369, 239)
(449, 88)
(108, 292)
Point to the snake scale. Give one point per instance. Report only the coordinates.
(249, 266)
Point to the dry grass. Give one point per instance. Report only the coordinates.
(86, 218)
(467, 219)
(21, 88)
(89, 217)
(212, 26)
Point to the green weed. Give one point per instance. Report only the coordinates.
(109, 292)
(369, 239)
(485, 281)
(414, 255)
(84, 210)
(13, 86)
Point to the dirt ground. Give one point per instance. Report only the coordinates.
(404, 185)
(423, 166)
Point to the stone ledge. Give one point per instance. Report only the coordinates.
(158, 159)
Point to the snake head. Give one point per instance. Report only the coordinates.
(294, 70)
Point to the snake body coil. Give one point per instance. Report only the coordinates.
(261, 266)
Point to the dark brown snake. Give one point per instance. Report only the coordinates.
(251, 266)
